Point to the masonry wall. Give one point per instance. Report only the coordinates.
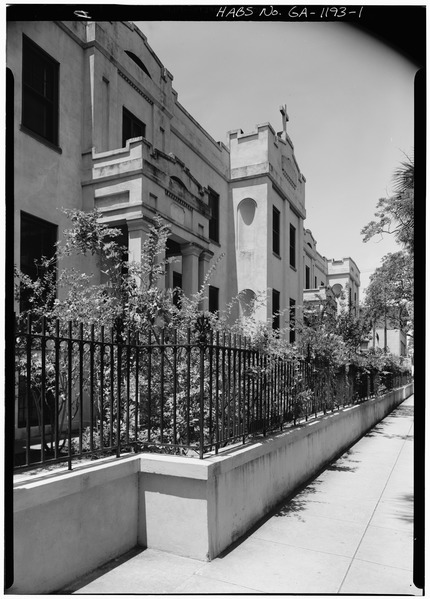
(67, 525)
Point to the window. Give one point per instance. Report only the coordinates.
(292, 246)
(213, 299)
(276, 231)
(177, 286)
(38, 238)
(131, 126)
(275, 309)
(316, 283)
(122, 240)
(292, 320)
(214, 219)
(139, 63)
(307, 277)
(39, 91)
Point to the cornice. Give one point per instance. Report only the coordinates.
(199, 154)
(177, 199)
(134, 86)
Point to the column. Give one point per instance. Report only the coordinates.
(137, 231)
(190, 268)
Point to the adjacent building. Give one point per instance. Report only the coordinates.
(344, 278)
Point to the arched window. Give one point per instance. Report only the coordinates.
(178, 182)
(139, 63)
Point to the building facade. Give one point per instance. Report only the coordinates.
(97, 124)
(343, 276)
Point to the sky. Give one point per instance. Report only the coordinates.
(349, 99)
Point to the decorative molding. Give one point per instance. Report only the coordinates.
(134, 86)
(289, 179)
(178, 200)
(197, 152)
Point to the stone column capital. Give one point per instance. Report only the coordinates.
(190, 249)
(206, 255)
(138, 224)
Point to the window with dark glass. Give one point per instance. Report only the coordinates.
(138, 61)
(177, 286)
(39, 91)
(292, 320)
(276, 303)
(276, 244)
(292, 246)
(122, 240)
(213, 299)
(131, 126)
(38, 238)
(316, 283)
(307, 277)
(214, 218)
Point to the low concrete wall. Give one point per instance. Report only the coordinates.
(198, 508)
(67, 525)
(250, 482)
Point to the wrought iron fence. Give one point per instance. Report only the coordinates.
(84, 391)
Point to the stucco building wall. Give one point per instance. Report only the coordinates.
(174, 168)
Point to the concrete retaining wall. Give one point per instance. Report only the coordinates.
(249, 483)
(67, 525)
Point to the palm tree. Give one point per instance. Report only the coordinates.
(403, 176)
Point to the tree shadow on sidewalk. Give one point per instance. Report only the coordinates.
(380, 430)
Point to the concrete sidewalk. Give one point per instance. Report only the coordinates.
(349, 531)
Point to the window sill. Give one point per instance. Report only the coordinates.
(277, 255)
(41, 139)
(293, 268)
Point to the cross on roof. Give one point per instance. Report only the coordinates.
(285, 117)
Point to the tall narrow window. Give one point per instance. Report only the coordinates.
(276, 303)
(122, 240)
(177, 286)
(276, 245)
(214, 219)
(307, 277)
(39, 91)
(213, 299)
(131, 126)
(316, 284)
(292, 246)
(292, 320)
(38, 238)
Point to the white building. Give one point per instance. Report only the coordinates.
(97, 123)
